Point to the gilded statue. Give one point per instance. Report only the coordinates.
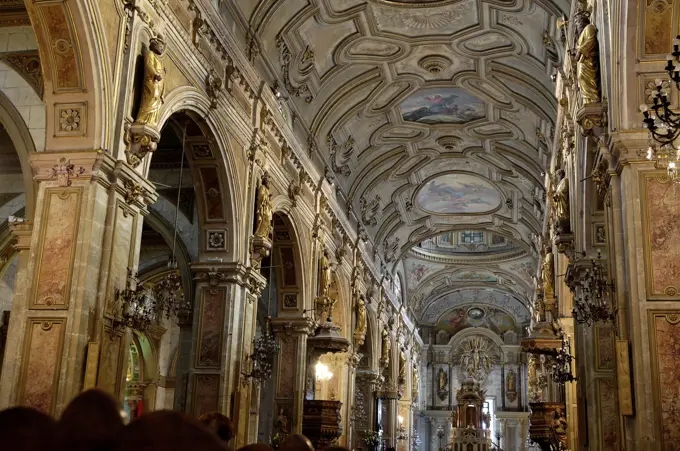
(561, 200)
(154, 84)
(511, 382)
(264, 213)
(587, 54)
(402, 367)
(416, 379)
(443, 380)
(325, 271)
(361, 317)
(476, 359)
(386, 345)
(548, 274)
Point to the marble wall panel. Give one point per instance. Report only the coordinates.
(56, 251)
(658, 26)
(206, 393)
(41, 362)
(665, 341)
(211, 325)
(287, 363)
(607, 395)
(662, 227)
(605, 347)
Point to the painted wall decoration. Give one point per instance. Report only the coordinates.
(474, 276)
(658, 26)
(210, 336)
(662, 216)
(442, 106)
(458, 194)
(416, 271)
(665, 331)
(470, 297)
(609, 414)
(473, 316)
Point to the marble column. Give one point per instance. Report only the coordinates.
(75, 254)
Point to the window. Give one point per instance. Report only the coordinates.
(470, 237)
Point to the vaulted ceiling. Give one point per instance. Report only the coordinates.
(433, 116)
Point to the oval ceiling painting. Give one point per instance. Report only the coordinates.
(415, 3)
(458, 194)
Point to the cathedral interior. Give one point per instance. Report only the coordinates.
(383, 224)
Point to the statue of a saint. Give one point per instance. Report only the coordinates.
(416, 380)
(361, 317)
(454, 418)
(510, 382)
(561, 196)
(402, 367)
(325, 272)
(443, 380)
(263, 225)
(282, 422)
(386, 345)
(154, 84)
(548, 274)
(587, 53)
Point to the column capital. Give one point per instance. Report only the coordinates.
(293, 326)
(219, 273)
(96, 166)
(21, 231)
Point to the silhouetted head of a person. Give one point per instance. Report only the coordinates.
(26, 429)
(256, 447)
(167, 431)
(91, 422)
(219, 424)
(296, 442)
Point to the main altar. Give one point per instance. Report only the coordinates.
(469, 424)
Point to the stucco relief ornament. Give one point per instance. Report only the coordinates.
(213, 87)
(63, 171)
(142, 136)
(476, 358)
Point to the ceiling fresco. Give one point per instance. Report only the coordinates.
(458, 194)
(431, 117)
(442, 106)
(473, 316)
(490, 298)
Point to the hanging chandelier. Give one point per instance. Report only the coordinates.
(265, 348)
(136, 308)
(168, 296)
(561, 369)
(401, 429)
(592, 295)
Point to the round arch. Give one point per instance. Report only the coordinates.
(23, 143)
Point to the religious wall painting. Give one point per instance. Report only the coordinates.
(461, 318)
(608, 414)
(458, 193)
(442, 106)
(417, 271)
(665, 351)
(662, 229)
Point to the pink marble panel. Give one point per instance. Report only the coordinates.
(609, 414)
(211, 326)
(287, 364)
(663, 216)
(667, 338)
(41, 363)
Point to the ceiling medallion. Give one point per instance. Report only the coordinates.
(449, 143)
(458, 194)
(435, 64)
(415, 3)
(475, 313)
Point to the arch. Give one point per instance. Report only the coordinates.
(213, 177)
(23, 143)
(472, 331)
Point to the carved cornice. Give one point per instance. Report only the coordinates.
(293, 326)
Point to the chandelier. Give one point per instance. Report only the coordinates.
(168, 296)
(265, 348)
(561, 369)
(136, 308)
(591, 300)
(401, 429)
(416, 441)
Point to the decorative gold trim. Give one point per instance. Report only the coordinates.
(91, 365)
(623, 378)
(62, 193)
(46, 323)
(669, 293)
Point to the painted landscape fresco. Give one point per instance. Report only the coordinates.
(458, 193)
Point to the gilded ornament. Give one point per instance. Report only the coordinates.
(325, 276)
(587, 53)
(154, 84)
(264, 212)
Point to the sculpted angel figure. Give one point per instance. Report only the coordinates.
(154, 84)
(264, 209)
(588, 59)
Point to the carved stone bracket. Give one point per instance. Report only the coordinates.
(565, 244)
(140, 140)
(593, 119)
(259, 249)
